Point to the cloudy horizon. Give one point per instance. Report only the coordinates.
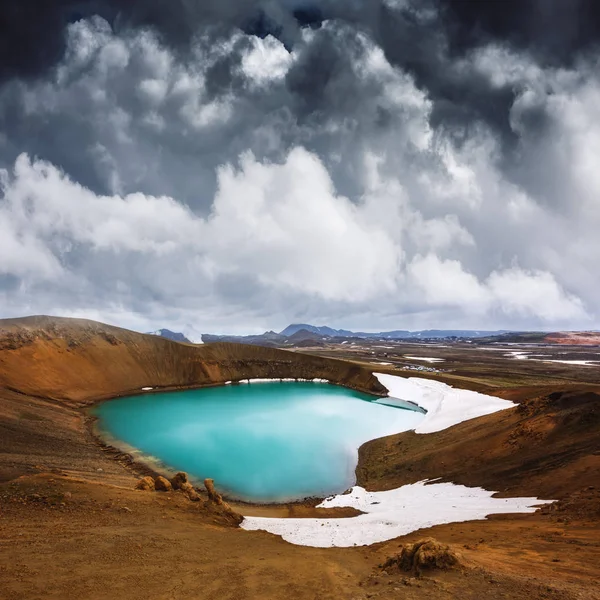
(233, 167)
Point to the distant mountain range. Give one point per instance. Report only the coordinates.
(299, 334)
(399, 334)
(171, 335)
(304, 334)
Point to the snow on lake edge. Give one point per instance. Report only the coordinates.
(411, 507)
(391, 514)
(445, 405)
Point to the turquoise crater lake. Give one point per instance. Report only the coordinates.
(262, 442)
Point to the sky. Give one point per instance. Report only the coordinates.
(227, 166)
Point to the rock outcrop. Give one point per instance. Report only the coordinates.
(162, 484)
(146, 484)
(193, 495)
(216, 500)
(427, 554)
(180, 481)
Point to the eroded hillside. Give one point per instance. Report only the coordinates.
(80, 361)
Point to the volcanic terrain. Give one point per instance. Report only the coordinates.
(72, 524)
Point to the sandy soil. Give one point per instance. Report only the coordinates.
(67, 539)
(71, 525)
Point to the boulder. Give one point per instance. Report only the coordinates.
(193, 495)
(213, 495)
(426, 554)
(216, 500)
(146, 484)
(180, 480)
(162, 485)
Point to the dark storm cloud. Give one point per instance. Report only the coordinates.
(428, 38)
(419, 43)
(322, 82)
(555, 30)
(424, 37)
(32, 31)
(323, 102)
(322, 88)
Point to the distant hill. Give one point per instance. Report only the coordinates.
(563, 338)
(79, 361)
(174, 336)
(322, 331)
(574, 338)
(396, 334)
(303, 334)
(269, 339)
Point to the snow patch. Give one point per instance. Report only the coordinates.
(278, 380)
(584, 363)
(428, 359)
(541, 358)
(147, 389)
(446, 406)
(391, 514)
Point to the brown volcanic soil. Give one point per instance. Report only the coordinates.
(71, 525)
(79, 361)
(540, 448)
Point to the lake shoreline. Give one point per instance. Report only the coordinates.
(149, 464)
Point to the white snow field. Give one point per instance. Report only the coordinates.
(392, 514)
(445, 405)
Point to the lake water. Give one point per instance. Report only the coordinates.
(263, 442)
